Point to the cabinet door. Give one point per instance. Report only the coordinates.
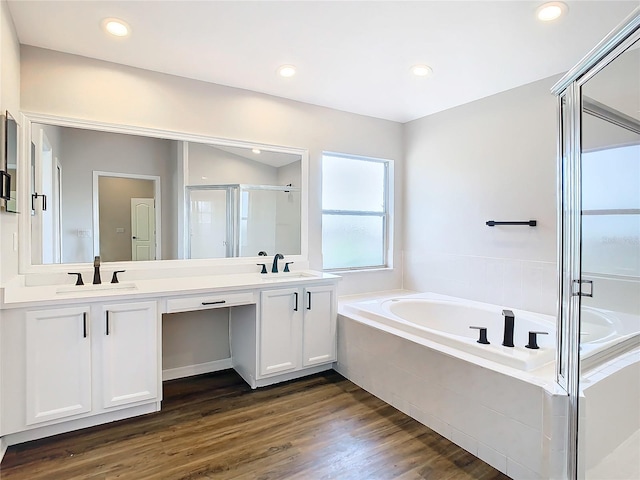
(319, 326)
(129, 341)
(58, 364)
(280, 330)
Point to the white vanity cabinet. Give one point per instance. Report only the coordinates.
(280, 327)
(72, 363)
(58, 363)
(293, 335)
(319, 325)
(129, 351)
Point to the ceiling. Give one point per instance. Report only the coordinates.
(351, 56)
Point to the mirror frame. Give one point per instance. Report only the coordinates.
(24, 220)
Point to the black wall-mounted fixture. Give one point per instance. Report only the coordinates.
(5, 185)
(35, 196)
(493, 223)
(8, 157)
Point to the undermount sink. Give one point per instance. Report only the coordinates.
(284, 276)
(96, 288)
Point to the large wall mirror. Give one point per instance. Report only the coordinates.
(129, 197)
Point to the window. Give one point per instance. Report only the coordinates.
(355, 212)
(611, 211)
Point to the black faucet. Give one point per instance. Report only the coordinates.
(274, 268)
(96, 271)
(509, 319)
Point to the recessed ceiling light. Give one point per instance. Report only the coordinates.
(550, 11)
(256, 150)
(116, 27)
(287, 71)
(421, 70)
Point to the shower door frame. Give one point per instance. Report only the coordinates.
(569, 91)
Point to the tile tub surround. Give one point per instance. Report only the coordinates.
(515, 425)
(523, 284)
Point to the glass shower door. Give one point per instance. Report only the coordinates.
(210, 231)
(609, 381)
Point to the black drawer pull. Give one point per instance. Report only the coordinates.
(107, 320)
(309, 306)
(295, 309)
(217, 302)
(84, 324)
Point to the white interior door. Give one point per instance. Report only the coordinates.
(143, 231)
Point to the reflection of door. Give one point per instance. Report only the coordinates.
(42, 225)
(143, 235)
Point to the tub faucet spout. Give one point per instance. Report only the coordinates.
(509, 319)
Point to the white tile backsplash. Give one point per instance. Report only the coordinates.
(524, 284)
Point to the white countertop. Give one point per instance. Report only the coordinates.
(21, 296)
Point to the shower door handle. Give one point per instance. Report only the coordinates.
(578, 291)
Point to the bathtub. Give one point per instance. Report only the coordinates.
(446, 321)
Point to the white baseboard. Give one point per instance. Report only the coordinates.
(190, 370)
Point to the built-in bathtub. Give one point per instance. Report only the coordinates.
(502, 404)
(448, 320)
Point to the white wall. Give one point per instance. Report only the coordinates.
(492, 159)
(9, 100)
(73, 86)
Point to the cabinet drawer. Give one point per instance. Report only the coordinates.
(204, 302)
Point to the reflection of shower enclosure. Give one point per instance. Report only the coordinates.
(241, 220)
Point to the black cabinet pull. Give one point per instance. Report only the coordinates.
(107, 320)
(217, 302)
(309, 306)
(295, 309)
(84, 324)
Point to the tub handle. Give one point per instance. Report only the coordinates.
(533, 340)
(483, 335)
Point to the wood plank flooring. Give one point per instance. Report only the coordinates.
(215, 427)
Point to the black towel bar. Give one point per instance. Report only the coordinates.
(531, 223)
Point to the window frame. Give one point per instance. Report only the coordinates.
(386, 214)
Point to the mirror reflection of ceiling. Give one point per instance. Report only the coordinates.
(347, 52)
(273, 159)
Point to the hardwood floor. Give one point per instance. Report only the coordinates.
(214, 426)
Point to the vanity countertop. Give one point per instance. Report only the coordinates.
(28, 296)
